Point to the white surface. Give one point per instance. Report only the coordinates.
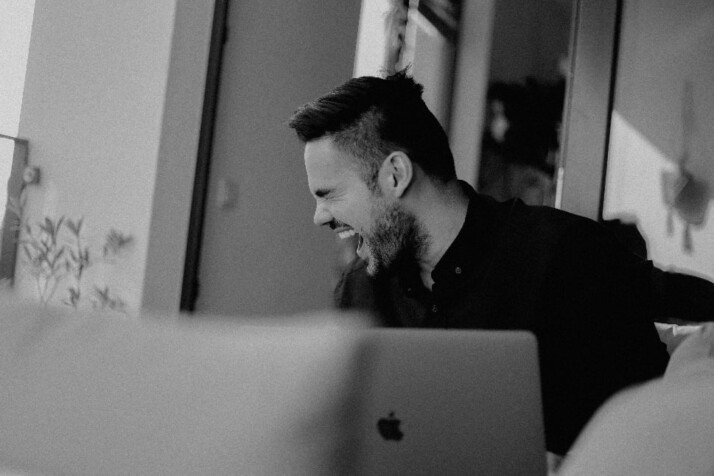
(112, 109)
(86, 394)
(15, 27)
(94, 97)
(662, 428)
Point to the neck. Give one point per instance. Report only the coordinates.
(442, 214)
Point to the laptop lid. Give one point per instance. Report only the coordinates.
(451, 402)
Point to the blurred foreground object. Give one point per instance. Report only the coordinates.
(664, 427)
(91, 394)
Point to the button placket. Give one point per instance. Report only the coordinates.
(436, 298)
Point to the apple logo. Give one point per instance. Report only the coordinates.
(389, 428)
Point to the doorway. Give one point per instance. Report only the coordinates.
(254, 249)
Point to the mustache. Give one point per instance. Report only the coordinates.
(336, 224)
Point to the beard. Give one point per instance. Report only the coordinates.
(395, 240)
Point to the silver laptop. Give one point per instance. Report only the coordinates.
(451, 402)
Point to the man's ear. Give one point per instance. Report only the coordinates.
(396, 173)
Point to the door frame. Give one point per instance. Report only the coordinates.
(588, 107)
(219, 35)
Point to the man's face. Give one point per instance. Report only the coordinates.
(347, 205)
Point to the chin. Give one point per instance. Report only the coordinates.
(376, 267)
(372, 267)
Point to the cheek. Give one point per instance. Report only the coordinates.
(374, 216)
(360, 212)
(356, 217)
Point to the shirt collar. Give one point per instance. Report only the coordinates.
(467, 255)
(468, 252)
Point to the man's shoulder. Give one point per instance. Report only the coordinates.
(542, 223)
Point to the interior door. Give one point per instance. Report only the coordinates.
(259, 250)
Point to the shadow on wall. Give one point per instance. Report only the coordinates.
(664, 77)
(686, 195)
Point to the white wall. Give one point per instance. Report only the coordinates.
(371, 38)
(664, 45)
(100, 111)
(432, 60)
(429, 55)
(15, 27)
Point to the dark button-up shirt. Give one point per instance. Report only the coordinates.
(563, 277)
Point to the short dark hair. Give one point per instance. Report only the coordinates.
(370, 117)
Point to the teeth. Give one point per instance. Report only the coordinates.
(346, 234)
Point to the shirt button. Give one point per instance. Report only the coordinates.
(457, 270)
(434, 308)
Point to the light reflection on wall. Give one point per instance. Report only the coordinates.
(15, 26)
(634, 194)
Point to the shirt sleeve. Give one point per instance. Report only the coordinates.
(599, 335)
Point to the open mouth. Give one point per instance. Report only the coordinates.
(349, 233)
(359, 246)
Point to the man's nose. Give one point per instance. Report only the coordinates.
(322, 216)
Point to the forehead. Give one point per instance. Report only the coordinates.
(327, 166)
